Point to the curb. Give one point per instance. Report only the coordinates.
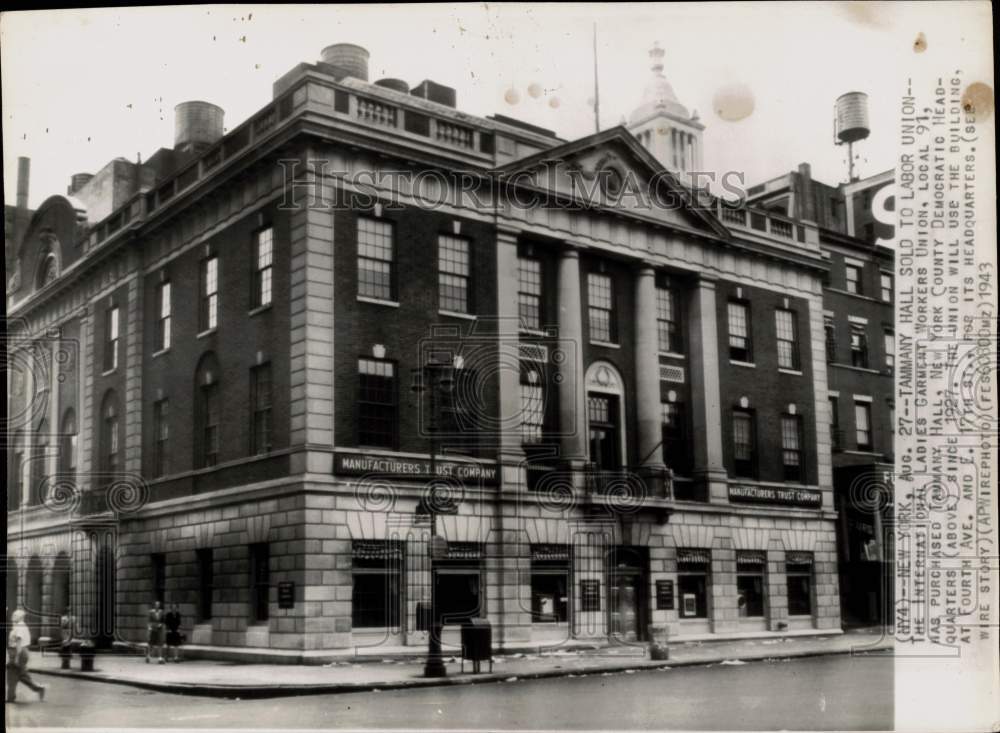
(272, 691)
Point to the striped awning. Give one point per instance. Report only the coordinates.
(550, 552)
(376, 550)
(799, 558)
(465, 551)
(752, 558)
(694, 557)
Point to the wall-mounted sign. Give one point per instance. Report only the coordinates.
(286, 594)
(776, 495)
(590, 595)
(664, 595)
(415, 469)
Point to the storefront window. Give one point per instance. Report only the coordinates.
(693, 574)
(458, 583)
(750, 583)
(377, 570)
(799, 572)
(549, 583)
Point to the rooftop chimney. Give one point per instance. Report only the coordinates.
(78, 181)
(23, 179)
(350, 58)
(197, 125)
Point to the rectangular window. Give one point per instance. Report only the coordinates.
(260, 396)
(260, 581)
(836, 440)
(377, 410)
(210, 424)
(161, 436)
(163, 314)
(799, 575)
(863, 424)
(739, 331)
(693, 574)
(112, 457)
(208, 313)
(791, 447)
(263, 266)
(743, 443)
(853, 279)
(459, 583)
(550, 584)
(889, 342)
(111, 334)
(375, 259)
(673, 435)
(600, 301)
(377, 572)
(532, 403)
(668, 319)
(750, 585)
(788, 348)
(830, 332)
(859, 346)
(887, 287)
(206, 583)
(529, 292)
(453, 274)
(159, 562)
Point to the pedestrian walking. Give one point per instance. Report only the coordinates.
(154, 630)
(18, 658)
(174, 637)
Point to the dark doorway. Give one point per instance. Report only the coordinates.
(628, 595)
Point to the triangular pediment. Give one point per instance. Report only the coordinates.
(612, 170)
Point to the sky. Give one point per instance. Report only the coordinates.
(81, 87)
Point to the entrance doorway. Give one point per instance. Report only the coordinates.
(628, 597)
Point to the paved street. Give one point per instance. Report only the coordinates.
(835, 692)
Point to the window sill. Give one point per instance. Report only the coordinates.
(105, 373)
(533, 332)
(457, 314)
(793, 372)
(747, 364)
(605, 344)
(378, 301)
(861, 452)
(259, 309)
(161, 352)
(208, 332)
(672, 355)
(865, 370)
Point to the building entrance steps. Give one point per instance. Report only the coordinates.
(230, 678)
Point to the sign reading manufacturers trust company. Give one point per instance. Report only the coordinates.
(360, 464)
(776, 495)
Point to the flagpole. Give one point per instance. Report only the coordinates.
(597, 91)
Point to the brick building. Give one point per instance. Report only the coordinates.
(856, 226)
(625, 405)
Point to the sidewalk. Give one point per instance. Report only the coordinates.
(228, 679)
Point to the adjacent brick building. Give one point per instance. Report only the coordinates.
(214, 403)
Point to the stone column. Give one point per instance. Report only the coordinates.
(647, 371)
(509, 377)
(724, 614)
(572, 419)
(709, 470)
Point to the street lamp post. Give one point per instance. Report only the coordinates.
(434, 376)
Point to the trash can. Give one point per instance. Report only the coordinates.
(477, 643)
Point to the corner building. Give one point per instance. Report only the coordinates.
(213, 387)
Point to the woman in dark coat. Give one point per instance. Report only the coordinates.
(173, 623)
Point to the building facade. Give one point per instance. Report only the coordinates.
(856, 224)
(365, 346)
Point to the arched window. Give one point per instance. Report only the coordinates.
(68, 446)
(110, 444)
(39, 458)
(207, 439)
